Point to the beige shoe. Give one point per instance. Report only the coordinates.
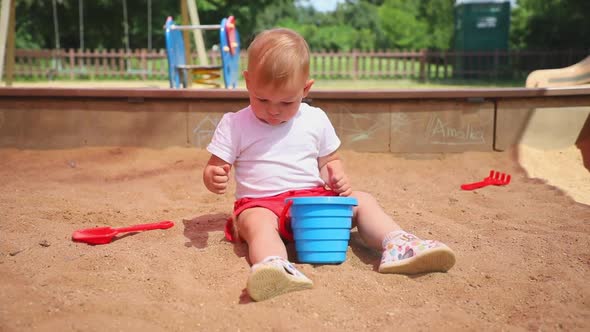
(275, 276)
(416, 256)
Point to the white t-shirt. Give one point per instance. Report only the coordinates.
(269, 160)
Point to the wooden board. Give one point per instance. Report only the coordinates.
(424, 127)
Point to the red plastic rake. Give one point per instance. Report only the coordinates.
(495, 178)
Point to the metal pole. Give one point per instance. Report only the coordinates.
(149, 24)
(196, 27)
(55, 25)
(126, 28)
(10, 47)
(197, 34)
(55, 63)
(81, 15)
(4, 25)
(149, 20)
(4, 18)
(187, 42)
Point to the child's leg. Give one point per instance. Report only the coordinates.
(271, 273)
(402, 252)
(372, 222)
(258, 227)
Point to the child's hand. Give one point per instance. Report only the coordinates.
(216, 178)
(338, 180)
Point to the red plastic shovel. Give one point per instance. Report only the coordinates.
(495, 178)
(104, 235)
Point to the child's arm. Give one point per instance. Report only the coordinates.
(216, 175)
(332, 172)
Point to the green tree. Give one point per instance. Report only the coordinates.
(274, 13)
(355, 24)
(364, 18)
(401, 24)
(551, 24)
(104, 23)
(247, 14)
(438, 14)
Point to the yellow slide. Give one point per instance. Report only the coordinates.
(577, 74)
(555, 145)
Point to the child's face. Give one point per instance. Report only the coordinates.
(276, 105)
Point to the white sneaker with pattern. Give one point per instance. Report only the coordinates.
(274, 276)
(404, 253)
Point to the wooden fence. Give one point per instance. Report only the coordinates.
(418, 65)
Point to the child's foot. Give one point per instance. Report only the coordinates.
(407, 254)
(275, 276)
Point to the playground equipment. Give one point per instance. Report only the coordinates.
(7, 36)
(576, 74)
(552, 128)
(557, 132)
(179, 72)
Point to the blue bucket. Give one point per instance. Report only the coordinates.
(321, 228)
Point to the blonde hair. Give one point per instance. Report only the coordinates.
(278, 56)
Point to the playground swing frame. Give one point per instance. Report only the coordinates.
(179, 72)
(56, 60)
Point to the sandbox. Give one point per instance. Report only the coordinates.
(78, 158)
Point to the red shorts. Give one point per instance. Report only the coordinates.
(277, 205)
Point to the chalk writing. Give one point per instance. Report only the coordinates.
(363, 127)
(399, 121)
(360, 130)
(204, 130)
(441, 132)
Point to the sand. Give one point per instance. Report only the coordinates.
(548, 165)
(523, 258)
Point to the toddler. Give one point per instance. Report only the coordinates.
(279, 147)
